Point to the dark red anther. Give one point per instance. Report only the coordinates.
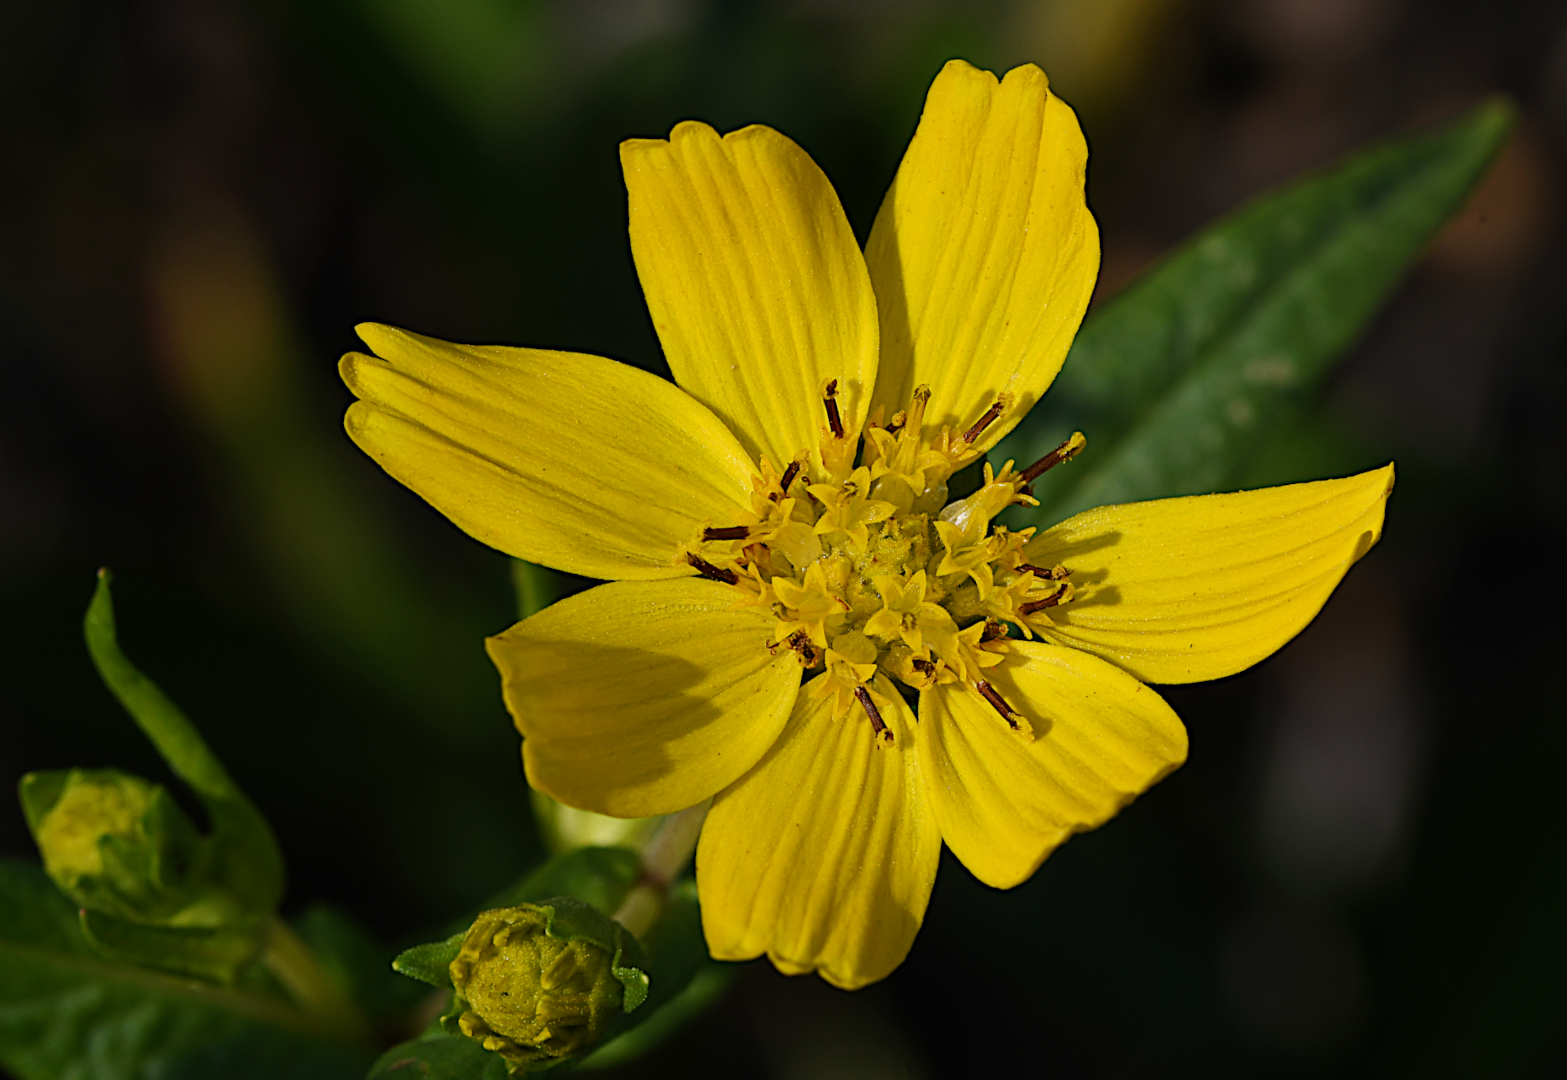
(830, 399)
(1055, 573)
(982, 423)
(708, 570)
(729, 532)
(788, 476)
(1048, 602)
(874, 713)
(997, 702)
(1065, 452)
(926, 668)
(993, 630)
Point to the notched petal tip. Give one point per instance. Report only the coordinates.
(984, 253)
(823, 856)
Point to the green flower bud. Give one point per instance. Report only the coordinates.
(539, 983)
(119, 844)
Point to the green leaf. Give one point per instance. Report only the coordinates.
(599, 876)
(352, 957)
(249, 861)
(437, 1055)
(67, 1012)
(1179, 380)
(206, 952)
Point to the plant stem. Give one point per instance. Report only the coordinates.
(293, 964)
(663, 857)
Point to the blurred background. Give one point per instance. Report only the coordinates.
(1363, 868)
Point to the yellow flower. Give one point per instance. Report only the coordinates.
(747, 550)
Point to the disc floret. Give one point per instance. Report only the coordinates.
(869, 569)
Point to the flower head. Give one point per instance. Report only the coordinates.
(780, 515)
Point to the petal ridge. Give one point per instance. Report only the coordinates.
(984, 253)
(1005, 802)
(755, 284)
(570, 460)
(823, 855)
(1196, 588)
(638, 698)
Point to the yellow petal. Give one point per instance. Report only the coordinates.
(1005, 802)
(643, 697)
(573, 461)
(984, 253)
(823, 856)
(1182, 590)
(755, 283)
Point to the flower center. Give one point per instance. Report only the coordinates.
(869, 570)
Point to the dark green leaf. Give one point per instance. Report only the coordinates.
(600, 876)
(215, 953)
(1179, 379)
(67, 1012)
(437, 1055)
(353, 958)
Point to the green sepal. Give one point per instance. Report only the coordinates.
(430, 963)
(217, 953)
(1179, 380)
(119, 844)
(570, 919)
(38, 793)
(685, 980)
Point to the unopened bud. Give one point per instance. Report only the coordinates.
(538, 983)
(115, 843)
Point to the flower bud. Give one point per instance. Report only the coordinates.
(116, 843)
(541, 982)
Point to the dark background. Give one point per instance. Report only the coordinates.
(1362, 868)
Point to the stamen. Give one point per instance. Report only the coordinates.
(708, 570)
(788, 477)
(1062, 594)
(1055, 573)
(984, 421)
(871, 711)
(801, 643)
(729, 532)
(899, 418)
(993, 629)
(926, 668)
(1065, 452)
(997, 702)
(830, 399)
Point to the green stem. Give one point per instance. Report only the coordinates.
(535, 587)
(292, 963)
(664, 856)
